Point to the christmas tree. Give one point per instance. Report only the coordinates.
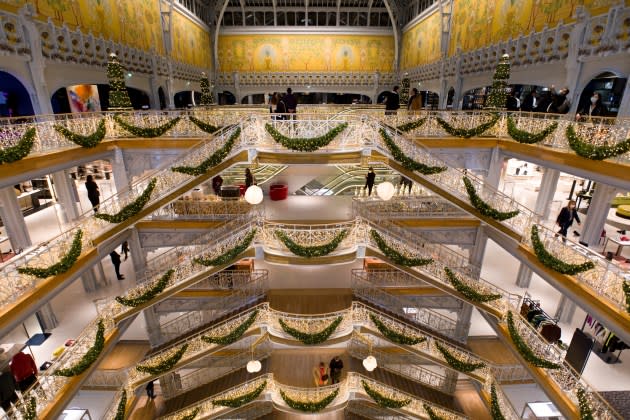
(118, 96)
(498, 92)
(404, 91)
(206, 93)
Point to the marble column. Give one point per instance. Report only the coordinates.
(495, 169)
(13, 220)
(67, 195)
(119, 171)
(47, 317)
(152, 322)
(136, 252)
(478, 250)
(524, 276)
(597, 214)
(94, 278)
(565, 310)
(548, 186)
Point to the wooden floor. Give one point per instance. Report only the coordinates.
(310, 301)
(493, 350)
(471, 403)
(124, 354)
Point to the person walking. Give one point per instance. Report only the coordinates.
(335, 366)
(124, 248)
(565, 219)
(392, 102)
(370, 177)
(249, 179)
(93, 192)
(116, 261)
(150, 388)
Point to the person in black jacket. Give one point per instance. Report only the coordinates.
(335, 366)
(392, 102)
(116, 261)
(93, 192)
(565, 219)
(594, 108)
(560, 104)
(370, 177)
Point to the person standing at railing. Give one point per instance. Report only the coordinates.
(277, 107)
(594, 108)
(249, 178)
(565, 219)
(392, 102)
(530, 103)
(321, 375)
(335, 365)
(370, 177)
(150, 388)
(560, 104)
(291, 103)
(415, 101)
(93, 192)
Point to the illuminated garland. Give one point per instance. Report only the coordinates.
(495, 409)
(467, 133)
(588, 151)
(309, 144)
(30, 412)
(191, 415)
(236, 402)
(216, 158)
(405, 160)
(122, 406)
(89, 357)
(234, 335)
(228, 255)
(395, 336)
(311, 251)
(483, 207)
(626, 291)
(554, 263)
(165, 365)
(309, 406)
(382, 400)
(396, 256)
(523, 348)
(66, 262)
(157, 288)
(432, 414)
(411, 125)
(208, 128)
(525, 137)
(147, 132)
(469, 292)
(455, 363)
(586, 413)
(21, 149)
(89, 141)
(132, 208)
(311, 338)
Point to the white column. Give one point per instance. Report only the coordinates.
(138, 256)
(67, 195)
(94, 278)
(152, 320)
(463, 320)
(565, 309)
(624, 107)
(47, 317)
(524, 276)
(548, 186)
(495, 169)
(478, 250)
(13, 220)
(597, 214)
(119, 171)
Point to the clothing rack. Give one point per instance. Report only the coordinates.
(605, 342)
(543, 322)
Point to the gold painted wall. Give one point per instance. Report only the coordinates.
(478, 23)
(191, 42)
(321, 53)
(421, 43)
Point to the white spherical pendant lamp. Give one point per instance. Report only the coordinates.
(369, 363)
(254, 195)
(385, 191)
(254, 366)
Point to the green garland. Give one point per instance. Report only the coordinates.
(626, 291)
(524, 349)
(235, 334)
(132, 208)
(311, 251)
(396, 256)
(21, 149)
(467, 133)
(469, 292)
(164, 365)
(122, 407)
(455, 363)
(588, 151)
(483, 207)
(157, 288)
(311, 338)
(208, 128)
(495, 410)
(405, 128)
(405, 160)
(89, 357)
(432, 414)
(242, 399)
(216, 158)
(554, 263)
(586, 413)
(30, 412)
(525, 137)
(309, 144)
(191, 415)
(66, 262)
(147, 132)
(308, 406)
(395, 336)
(382, 400)
(228, 255)
(89, 141)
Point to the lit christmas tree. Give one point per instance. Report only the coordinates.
(206, 93)
(498, 91)
(118, 96)
(404, 91)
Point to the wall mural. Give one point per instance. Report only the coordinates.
(191, 42)
(478, 23)
(320, 53)
(421, 43)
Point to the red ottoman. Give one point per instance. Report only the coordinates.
(278, 192)
(241, 188)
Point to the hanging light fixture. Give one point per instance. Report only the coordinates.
(385, 190)
(254, 195)
(254, 366)
(369, 363)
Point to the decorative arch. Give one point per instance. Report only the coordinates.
(15, 96)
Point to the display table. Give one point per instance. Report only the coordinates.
(620, 244)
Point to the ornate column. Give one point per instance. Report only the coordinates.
(572, 63)
(478, 250)
(152, 320)
(119, 171)
(495, 169)
(67, 195)
(13, 220)
(138, 254)
(524, 276)
(565, 309)
(47, 317)
(548, 186)
(597, 214)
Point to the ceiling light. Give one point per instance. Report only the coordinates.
(254, 195)
(385, 191)
(369, 363)
(254, 366)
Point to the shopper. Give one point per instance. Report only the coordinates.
(415, 100)
(290, 101)
(217, 181)
(335, 365)
(370, 177)
(392, 102)
(124, 249)
(150, 388)
(560, 104)
(24, 370)
(531, 102)
(116, 261)
(405, 183)
(249, 179)
(513, 103)
(93, 192)
(594, 108)
(7, 391)
(321, 374)
(565, 219)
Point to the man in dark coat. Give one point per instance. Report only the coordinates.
(565, 219)
(335, 366)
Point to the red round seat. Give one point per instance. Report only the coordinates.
(278, 192)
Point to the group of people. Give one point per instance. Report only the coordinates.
(281, 106)
(324, 375)
(557, 102)
(217, 181)
(370, 179)
(21, 376)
